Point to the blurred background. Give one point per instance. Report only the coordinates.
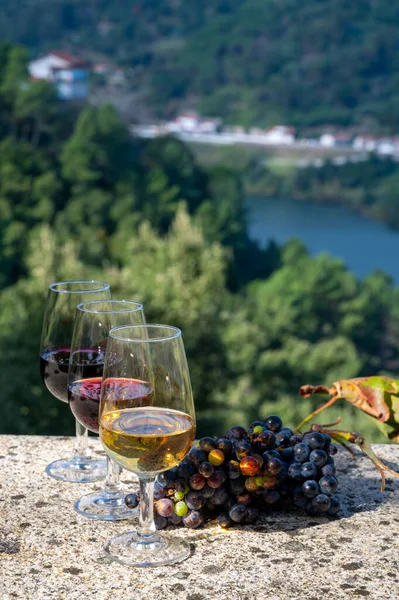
(233, 164)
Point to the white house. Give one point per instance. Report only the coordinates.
(327, 140)
(188, 121)
(70, 74)
(365, 142)
(279, 134)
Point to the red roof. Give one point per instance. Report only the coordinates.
(74, 61)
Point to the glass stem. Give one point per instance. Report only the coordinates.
(82, 450)
(112, 484)
(146, 529)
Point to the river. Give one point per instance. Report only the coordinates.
(364, 244)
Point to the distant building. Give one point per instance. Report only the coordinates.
(209, 125)
(365, 142)
(279, 134)
(69, 74)
(387, 146)
(327, 140)
(333, 140)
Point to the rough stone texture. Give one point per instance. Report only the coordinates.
(49, 552)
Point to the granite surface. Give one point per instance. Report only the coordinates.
(47, 551)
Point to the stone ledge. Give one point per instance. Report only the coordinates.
(48, 552)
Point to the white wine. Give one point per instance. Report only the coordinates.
(147, 440)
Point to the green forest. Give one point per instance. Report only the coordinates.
(307, 63)
(81, 198)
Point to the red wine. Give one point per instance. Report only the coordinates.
(84, 397)
(54, 368)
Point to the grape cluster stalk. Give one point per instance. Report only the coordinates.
(249, 471)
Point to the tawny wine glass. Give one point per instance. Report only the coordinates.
(93, 322)
(59, 316)
(147, 426)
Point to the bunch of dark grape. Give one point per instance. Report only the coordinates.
(236, 477)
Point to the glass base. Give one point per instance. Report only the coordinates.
(130, 549)
(77, 470)
(105, 507)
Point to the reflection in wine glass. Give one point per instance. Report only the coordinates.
(147, 425)
(59, 316)
(92, 325)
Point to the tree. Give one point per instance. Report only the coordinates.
(97, 153)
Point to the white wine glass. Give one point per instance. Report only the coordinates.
(147, 426)
(93, 322)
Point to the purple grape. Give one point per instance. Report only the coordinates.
(207, 491)
(174, 520)
(301, 452)
(310, 488)
(197, 456)
(233, 469)
(294, 471)
(273, 466)
(238, 513)
(237, 486)
(216, 480)
(236, 433)
(193, 519)
(159, 492)
(252, 515)
(224, 520)
(160, 522)
(328, 485)
(321, 503)
(328, 469)
(271, 496)
(207, 444)
(185, 470)
(314, 440)
(309, 470)
(274, 423)
(225, 445)
(197, 481)
(167, 478)
(132, 500)
(164, 507)
(194, 500)
(318, 457)
(220, 496)
(243, 449)
(299, 499)
(287, 455)
(334, 506)
(265, 440)
(206, 469)
(270, 454)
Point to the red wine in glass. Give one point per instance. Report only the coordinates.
(54, 368)
(84, 397)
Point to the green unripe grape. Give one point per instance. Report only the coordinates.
(258, 429)
(186, 490)
(179, 495)
(258, 481)
(181, 508)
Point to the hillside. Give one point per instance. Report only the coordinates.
(306, 62)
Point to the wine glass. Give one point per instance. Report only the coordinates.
(147, 425)
(59, 316)
(93, 322)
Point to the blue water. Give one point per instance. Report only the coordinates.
(364, 244)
